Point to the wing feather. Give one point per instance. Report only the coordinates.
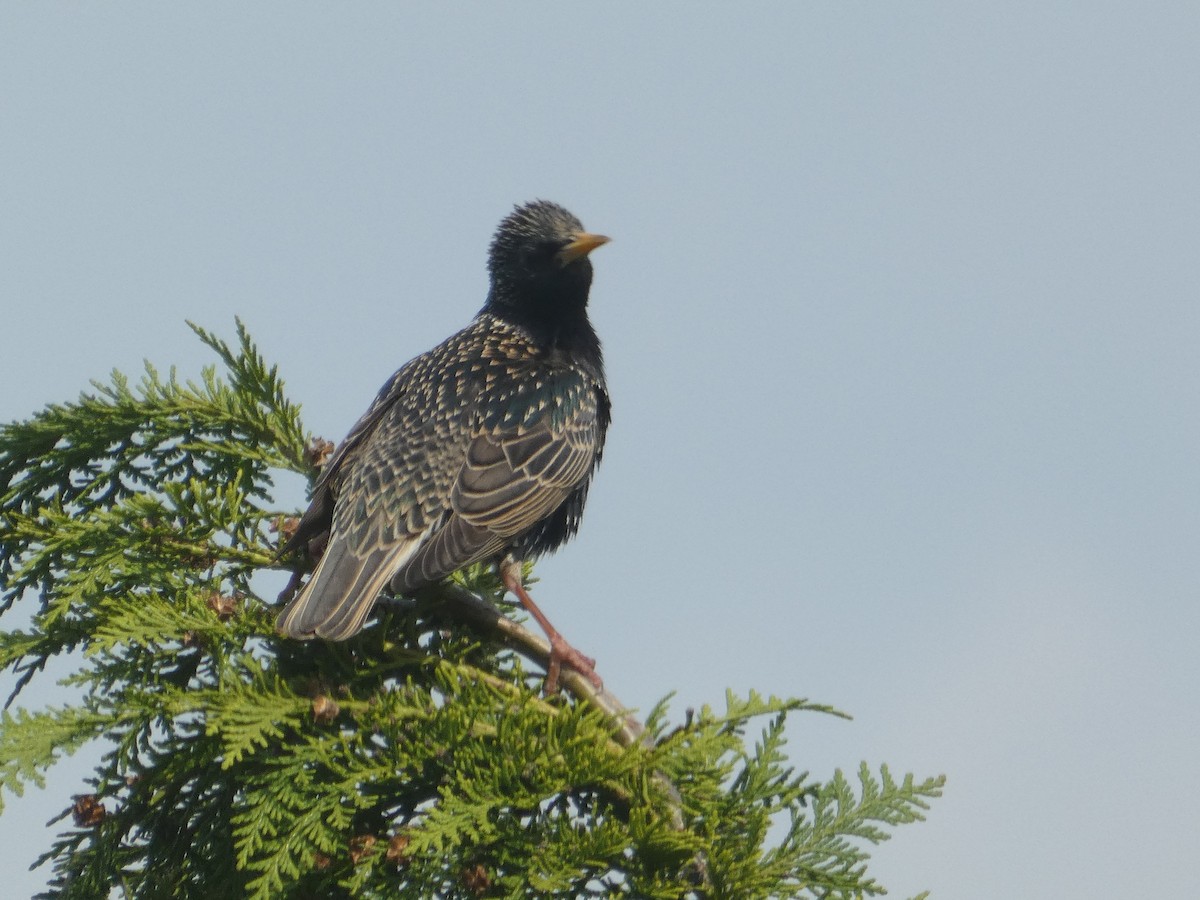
(336, 600)
(443, 471)
(510, 480)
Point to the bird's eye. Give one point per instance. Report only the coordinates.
(542, 253)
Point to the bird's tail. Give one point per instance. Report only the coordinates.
(337, 598)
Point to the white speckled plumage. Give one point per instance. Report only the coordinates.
(483, 446)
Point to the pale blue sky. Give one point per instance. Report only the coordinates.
(901, 317)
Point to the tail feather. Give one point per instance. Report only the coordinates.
(342, 589)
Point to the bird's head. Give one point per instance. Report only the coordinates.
(539, 262)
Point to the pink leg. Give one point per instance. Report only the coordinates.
(560, 651)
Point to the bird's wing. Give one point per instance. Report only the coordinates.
(512, 476)
(511, 480)
(393, 494)
(425, 495)
(317, 518)
(335, 601)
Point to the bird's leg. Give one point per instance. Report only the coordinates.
(315, 548)
(560, 651)
(291, 588)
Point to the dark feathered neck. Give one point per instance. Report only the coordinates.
(558, 330)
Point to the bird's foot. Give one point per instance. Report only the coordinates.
(562, 652)
(290, 589)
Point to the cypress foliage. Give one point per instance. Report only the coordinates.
(417, 760)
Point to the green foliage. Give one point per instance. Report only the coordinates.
(412, 761)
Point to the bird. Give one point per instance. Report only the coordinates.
(481, 449)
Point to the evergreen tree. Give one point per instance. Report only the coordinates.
(417, 760)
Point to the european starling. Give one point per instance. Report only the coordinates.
(480, 449)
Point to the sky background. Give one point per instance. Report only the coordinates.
(901, 317)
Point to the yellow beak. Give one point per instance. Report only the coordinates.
(583, 244)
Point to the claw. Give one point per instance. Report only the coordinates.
(560, 651)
